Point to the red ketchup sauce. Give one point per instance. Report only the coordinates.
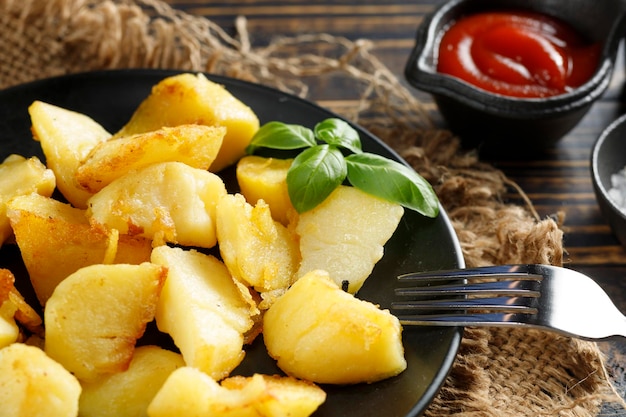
(517, 53)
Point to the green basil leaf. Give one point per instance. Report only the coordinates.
(392, 181)
(313, 175)
(278, 135)
(339, 133)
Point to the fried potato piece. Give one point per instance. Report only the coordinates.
(261, 178)
(95, 316)
(20, 176)
(166, 202)
(345, 235)
(194, 145)
(203, 309)
(320, 333)
(25, 314)
(194, 99)
(66, 138)
(189, 392)
(258, 251)
(32, 384)
(7, 279)
(9, 331)
(56, 240)
(13, 310)
(128, 393)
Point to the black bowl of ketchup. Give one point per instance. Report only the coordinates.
(516, 75)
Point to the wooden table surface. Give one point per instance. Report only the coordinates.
(556, 181)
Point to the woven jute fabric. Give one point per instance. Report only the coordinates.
(498, 372)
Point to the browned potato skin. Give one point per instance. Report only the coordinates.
(258, 251)
(194, 145)
(9, 331)
(165, 202)
(56, 239)
(6, 284)
(190, 392)
(13, 310)
(194, 99)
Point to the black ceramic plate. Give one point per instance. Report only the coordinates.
(419, 243)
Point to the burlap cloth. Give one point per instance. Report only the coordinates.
(499, 372)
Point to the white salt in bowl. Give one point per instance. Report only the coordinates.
(608, 161)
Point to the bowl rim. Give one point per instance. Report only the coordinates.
(419, 73)
(595, 166)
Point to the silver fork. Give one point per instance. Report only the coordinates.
(538, 296)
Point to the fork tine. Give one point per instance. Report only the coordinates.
(490, 319)
(480, 273)
(525, 288)
(499, 304)
(464, 297)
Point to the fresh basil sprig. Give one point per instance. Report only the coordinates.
(322, 166)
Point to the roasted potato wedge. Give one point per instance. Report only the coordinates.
(21, 176)
(15, 310)
(165, 202)
(345, 235)
(66, 138)
(32, 384)
(95, 316)
(194, 99)
(194, 145)
(320, 333)
(265, 179)
(189, 392)
(258, 251)
(128, 393)
(203, 309)
(9, 331)
(56, 240)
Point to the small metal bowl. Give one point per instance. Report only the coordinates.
(608, 156)
(498, 122)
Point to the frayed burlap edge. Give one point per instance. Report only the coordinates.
(499, 372)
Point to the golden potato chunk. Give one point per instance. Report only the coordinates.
(33, 385)
(7, 279)
(189, 392)
(194, 99)
(66, 139)
(9, 331)
(95, 316)
(166, 202)
(56, 239)
(128, 393)
(21, 176)
(194, 145)
(13, 310)
(345, 235)
(318, 332)
(257, 250)
(26, 315)
(265, 179)
(204, 310)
